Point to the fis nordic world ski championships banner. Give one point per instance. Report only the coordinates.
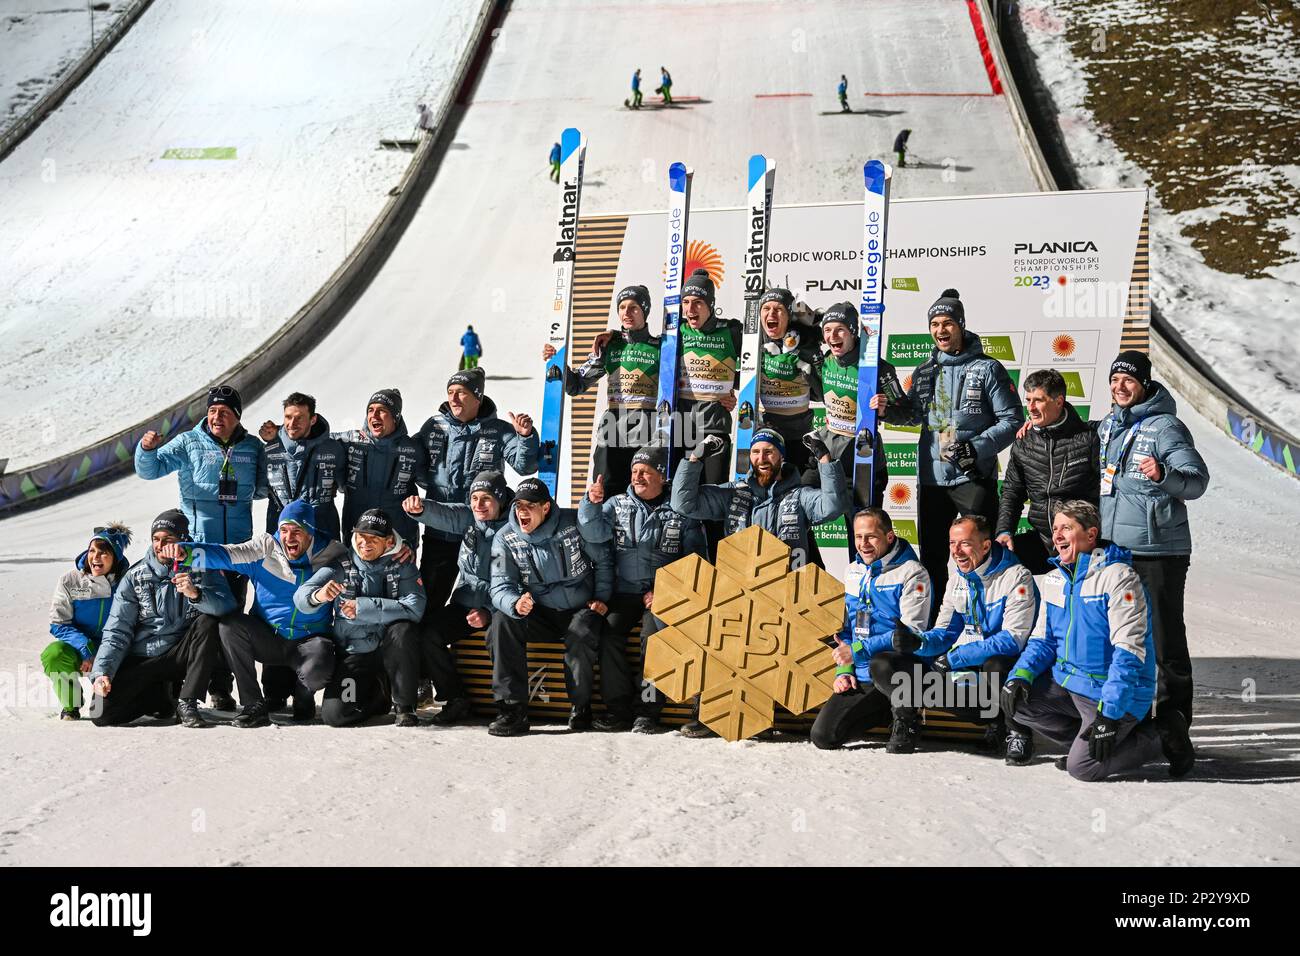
(1048, 280)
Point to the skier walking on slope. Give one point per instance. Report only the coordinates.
(635, 102)
(555, 163)
(665, 87)
(843, 91)
(471, 348)
(900, 146)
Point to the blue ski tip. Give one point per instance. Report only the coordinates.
(757, 169)
(677, 176)
(570, 140)
(874, 175)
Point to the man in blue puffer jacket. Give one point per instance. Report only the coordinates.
(465, 437)
(221, 470)
(988, 611)
(385, 464)
(548, 584)
(376, 601)
(275, 631)
(1094, 635)
(647, 534)
(471, 603)
(162, 629)
(1150, 468)
(884, 585)
(968, 411)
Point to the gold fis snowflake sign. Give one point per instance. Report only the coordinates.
(744, 635)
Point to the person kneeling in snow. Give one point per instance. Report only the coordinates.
(989, 606)
(1094, 632)
(275, 632)
(376, 601)
(82, 600)
(548, 585)
(476, 524)
(885, 585)
(162, 628)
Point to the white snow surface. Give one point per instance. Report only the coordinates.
(377, 795)
(40, 40)
(1246, 329)
(158, 274)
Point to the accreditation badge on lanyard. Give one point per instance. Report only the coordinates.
(1112, 468)
(227, 484)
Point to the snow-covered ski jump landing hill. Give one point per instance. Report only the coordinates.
(475, 252)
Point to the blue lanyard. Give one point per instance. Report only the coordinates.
(1124, 447)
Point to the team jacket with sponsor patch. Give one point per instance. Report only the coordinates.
(968, 395)
(474, 587)
(386, 591)
(313, 469)
(552, 563)
(1094, 631)
(647, 535)
(381, 473)
(786, 508)
(456, 451)
(275, 578)
(149, 615)
(893, 588)
(1150, 517)
(988, 612)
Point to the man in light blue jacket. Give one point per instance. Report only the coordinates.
(968, 411)
(1150, 468)
(162, 629)
(221, 470)
(376, 601)
(1087, 678)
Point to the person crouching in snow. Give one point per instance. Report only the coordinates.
(988, 610)
(275, 631)
(885, 585)
(377, 602)
(82, 600)
(1094, 632)
(162, 629)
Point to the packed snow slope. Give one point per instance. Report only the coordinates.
(476, 252)
(192, 193)
(40, 40)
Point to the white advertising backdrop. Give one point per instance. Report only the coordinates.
(1049, 280)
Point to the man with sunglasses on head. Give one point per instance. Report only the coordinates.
(221, 469)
